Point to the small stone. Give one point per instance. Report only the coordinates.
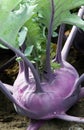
(75, 128)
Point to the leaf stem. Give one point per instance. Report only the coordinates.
(48, 66)
(24, 68)
(59, 45)
(71, 37)
(27, 62)
(23, 64)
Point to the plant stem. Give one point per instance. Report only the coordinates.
(79, 81)
(23, 64)
(28, 63)
(48, 66)
(59, 44)
(26, 72)
(24, 68)
(35, 124)
(71, 37)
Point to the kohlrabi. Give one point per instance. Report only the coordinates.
(60, 87)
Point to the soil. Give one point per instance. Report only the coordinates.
(10, 120)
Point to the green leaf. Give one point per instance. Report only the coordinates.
(61, 12)
(12, 24)
(18, 59)
(55, 65)
(22, 35)
(28, 50)
(34, 34)
(5, 7)
(68, 18)
(44, 11)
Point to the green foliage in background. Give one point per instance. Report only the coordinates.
(28, 21)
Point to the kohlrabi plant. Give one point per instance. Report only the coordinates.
(59, 88)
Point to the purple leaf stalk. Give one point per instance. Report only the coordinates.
(53, 97)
